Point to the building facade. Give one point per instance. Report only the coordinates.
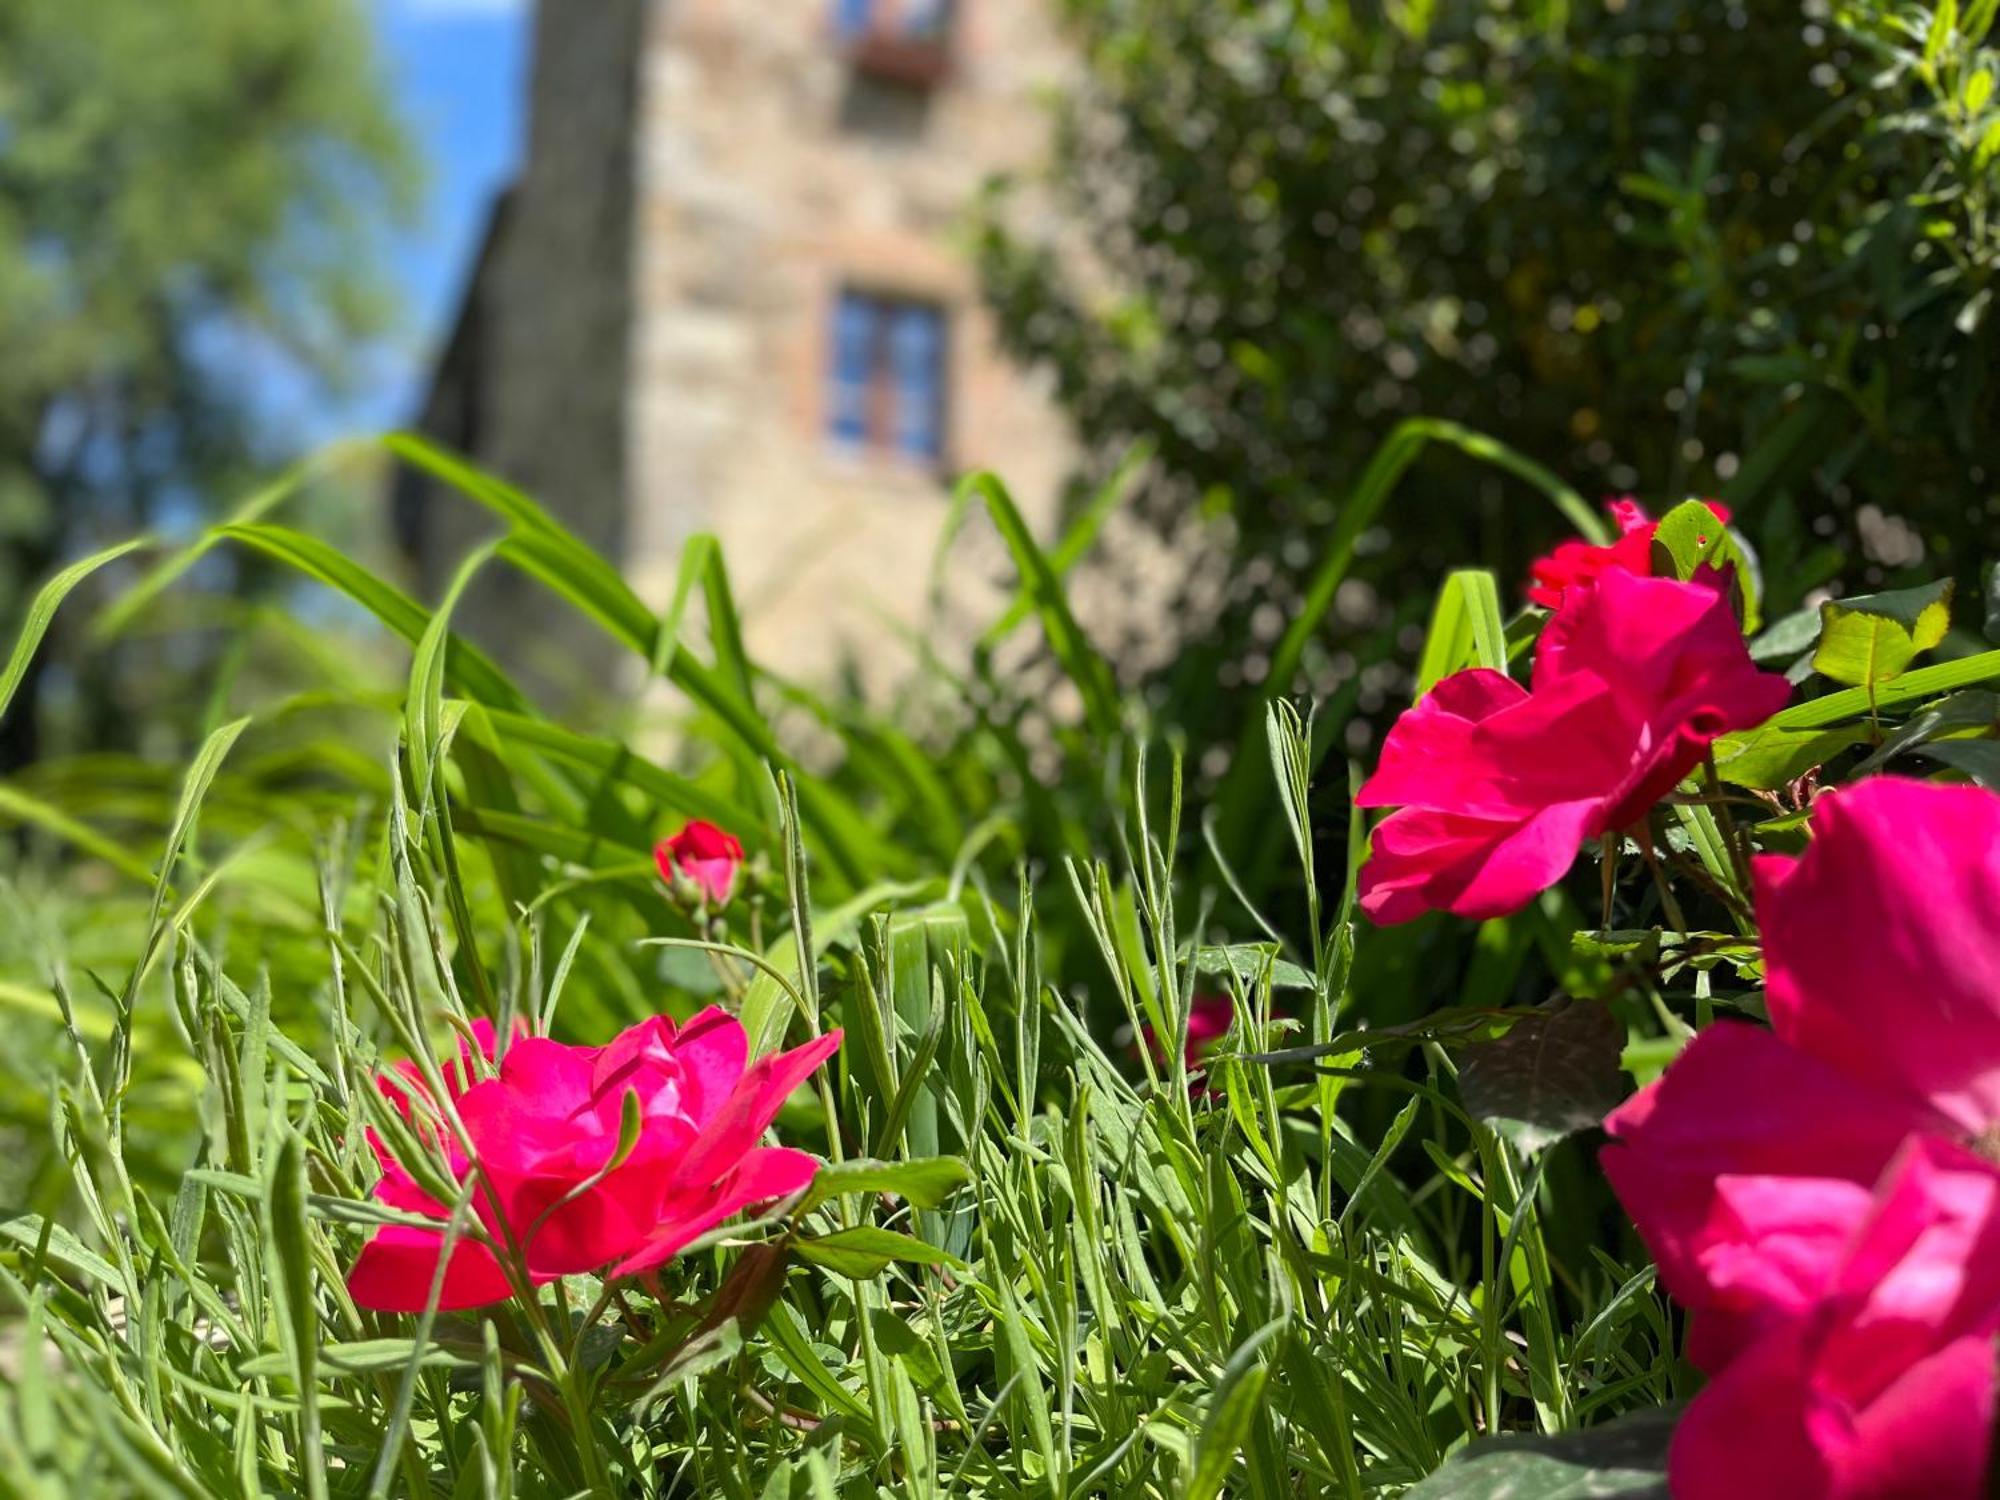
(729, 293)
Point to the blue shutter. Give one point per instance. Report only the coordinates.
(851, 18)
(916, 366)
(855, 322)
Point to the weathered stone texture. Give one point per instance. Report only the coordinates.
(646, 347)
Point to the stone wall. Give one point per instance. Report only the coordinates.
(534, 382)
(771, 173)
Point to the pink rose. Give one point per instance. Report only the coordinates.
(1822, 1196)
(1498, 786)
(705, 855)
(1208, 1023)
(1575, 563)
(546, 1134)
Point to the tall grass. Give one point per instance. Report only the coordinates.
(1045, 1259)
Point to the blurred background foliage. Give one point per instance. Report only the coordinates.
(192, 204)
(1742, 249)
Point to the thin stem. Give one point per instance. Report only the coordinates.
(1739, 846)
(1671, 906)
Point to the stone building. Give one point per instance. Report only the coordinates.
(728, 294)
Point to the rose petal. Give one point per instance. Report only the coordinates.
(395, 1269)
(1882, 942)
(766, 1174)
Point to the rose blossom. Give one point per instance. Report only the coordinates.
(1574, 563)
(1498, 786)
(546, 1133)
(706, 855)
(1822, 1196)
(1208, 1022)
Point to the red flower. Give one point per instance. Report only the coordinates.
(1208, 1023)
(1498, 786)
(1577, 562)
(704, 854)
(1822, 1196)
(546, 1134)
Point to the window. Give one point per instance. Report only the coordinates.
(921, 20)
(906, 42)
(886, 387)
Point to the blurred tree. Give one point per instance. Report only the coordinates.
(188, 195)
(1744, 248)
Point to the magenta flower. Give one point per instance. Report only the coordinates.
(1822, 1196)
(1575, 563)
(546, 1134)
(1208, 1023)
(706, 855)
(1499, 786)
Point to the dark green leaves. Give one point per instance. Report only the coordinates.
(1622, 1460)
(1554, 1073)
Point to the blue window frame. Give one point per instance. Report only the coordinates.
(887, 376)
(928, 20)
(852, 18)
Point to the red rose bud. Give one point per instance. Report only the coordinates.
(705, 855)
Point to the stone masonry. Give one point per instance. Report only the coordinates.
(756, 163)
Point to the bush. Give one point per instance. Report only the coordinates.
(1735, 250)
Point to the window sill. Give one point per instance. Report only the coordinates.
(860, 462)
(913, 61)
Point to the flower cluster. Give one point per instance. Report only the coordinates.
(587, 1159)
(1823, 1196)
(1499, 785)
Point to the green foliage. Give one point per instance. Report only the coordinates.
(189, 195)
(1045, 1258)
(1623, 1460)
(1728, 249)
(1871, 638)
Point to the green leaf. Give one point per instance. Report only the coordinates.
(867, 1251)
(1554, 1073)
(1079, 658)
(1974, 714)
(42, 612)
(1622, 1460)
(1768, 757)
(291, 1245)
(365, 1357)
(1465, 630)
(1787, 638)
(1226, 1427)
(923, 1183)
(1690, 537)
(1870, 639)
(1911, 687)
(1247, 963)
(1979, 759)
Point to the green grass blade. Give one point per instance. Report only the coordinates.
(42, 612)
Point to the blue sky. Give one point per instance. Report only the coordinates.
(458, 71)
